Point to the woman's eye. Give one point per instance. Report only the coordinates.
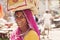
(16, 16)
(21, 16)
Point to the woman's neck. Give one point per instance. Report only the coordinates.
(24, 29)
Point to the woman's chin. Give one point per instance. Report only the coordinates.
(20, 25)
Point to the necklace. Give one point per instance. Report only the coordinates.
(24, 33)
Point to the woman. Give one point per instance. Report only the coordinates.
(27, 28)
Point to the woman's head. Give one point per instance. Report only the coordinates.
(20, 18)
(29, 16)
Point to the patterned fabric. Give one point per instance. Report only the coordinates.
(15, 35)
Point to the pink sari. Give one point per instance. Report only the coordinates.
(30, 19)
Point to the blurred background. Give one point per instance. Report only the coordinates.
(8, 24)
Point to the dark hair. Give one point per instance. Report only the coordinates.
(18, 11)
(47, 11)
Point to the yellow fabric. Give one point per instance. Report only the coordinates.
(32, 35)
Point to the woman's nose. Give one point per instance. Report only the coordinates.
(18, 19)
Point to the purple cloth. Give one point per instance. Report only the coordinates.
(30, 19)
(15, 35)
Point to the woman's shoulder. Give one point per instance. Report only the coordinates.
(32, 32)
(31, 35)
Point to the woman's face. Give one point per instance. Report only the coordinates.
(20, 19)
